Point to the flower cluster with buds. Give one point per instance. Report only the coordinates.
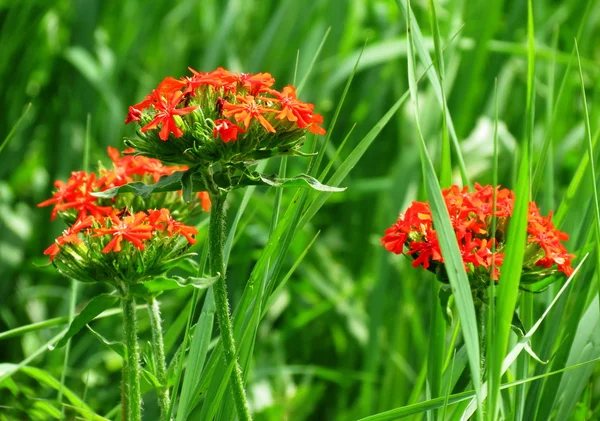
(221, 117)
(127, 238)
(123, 248)
(481, 249)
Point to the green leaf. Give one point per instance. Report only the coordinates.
(160, 284)
(187, 185)
(419, 45)
(590, 150)
(301, 181)
(197, 357)
(166, 183)
(45, 378)
(151, 379)
(118, 347)
(96, 306)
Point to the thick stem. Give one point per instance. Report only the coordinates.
(134, 397)
(216, 238)
(158, 349)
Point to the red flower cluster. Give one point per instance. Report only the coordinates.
(471, 217)
(236, 95)
(70, 235)
(136, 228)
(76, 192)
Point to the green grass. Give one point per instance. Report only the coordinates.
(328, 324)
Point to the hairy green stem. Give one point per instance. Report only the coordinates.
(216, 238)
(133, 402)
(158, 349)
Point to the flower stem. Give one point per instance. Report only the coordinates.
(158, 348)
(133, 402)
(216, 238)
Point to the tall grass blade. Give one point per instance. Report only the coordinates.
(447, 239)
(425, 58)
(14, 129)
(508, 285)
(590, 150)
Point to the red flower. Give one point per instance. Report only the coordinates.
(219, 78)
(297, 111)
(65, 190)
(254, 83)
(165, 106)
(135, 111)
(133, 115)
(69, 236)
(227, 130)
(205, 200)
(75, 194)
(170, 85)
(426, 250)
(133, 228)
(229, 81)
(163, 221)
(246, 109)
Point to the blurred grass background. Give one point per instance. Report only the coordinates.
(348, 336)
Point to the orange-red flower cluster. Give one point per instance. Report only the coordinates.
(244, 97)
(76, 192)
(70, 235)
(137, 228)
(471, 217)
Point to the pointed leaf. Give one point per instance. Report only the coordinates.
(96, 306)
(160, 284)
(301, 181)
(187, 185)
(118, 347)
(166, 183)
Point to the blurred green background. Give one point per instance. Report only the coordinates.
(348, 336)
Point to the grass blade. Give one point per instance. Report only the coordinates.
(14, 129)
(508, 286)
(432, 404)
(197, 356)
(447, 239)
(511, 357)
(590, 149)
(423, 53)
